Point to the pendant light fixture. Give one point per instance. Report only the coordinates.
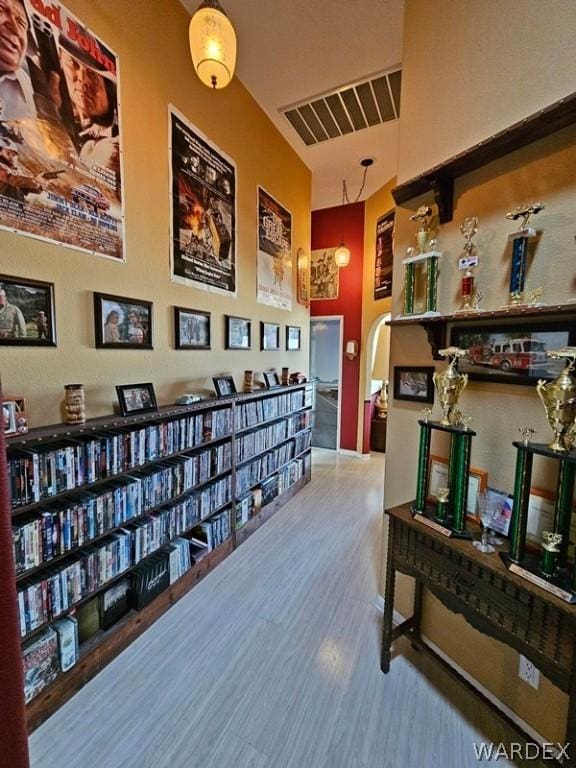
(342, 253)
(212, 44)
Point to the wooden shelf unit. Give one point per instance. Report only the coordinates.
(100, 649)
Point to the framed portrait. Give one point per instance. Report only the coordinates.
(271, 379)
(324, 274)
(26, 312)
(514, 353)
(136, 398)
(224, 386)
(192, 328)
(414, 383)
(293, 338)
(122, 323)
(477, 483)
(269, 336)
(238, 332)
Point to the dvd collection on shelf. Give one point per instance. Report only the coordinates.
(86, 555)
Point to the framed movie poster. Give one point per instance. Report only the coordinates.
(203, 210)
(274, 252)
(384, 257)
(60, 148)
(324, 274)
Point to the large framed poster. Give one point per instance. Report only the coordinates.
(274, 252)
(384, 257)
(203, 210)
(60, 148)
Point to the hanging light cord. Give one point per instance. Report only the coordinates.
(345, 198)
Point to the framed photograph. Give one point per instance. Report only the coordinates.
(26, 312)
(238, 332)
(271, 379)
(269, 336)
(122, 323)
(514, 353)
(293, 338)
(192, 328)
(438, 478)
(224, 386)
(414, 383)
(136, 398)
(501, 504)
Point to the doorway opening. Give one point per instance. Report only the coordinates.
(377, 375)
(326, 368)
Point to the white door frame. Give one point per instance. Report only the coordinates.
(340, 319)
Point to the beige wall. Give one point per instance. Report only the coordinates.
(376, 205)
(151, 41)
(479, 94)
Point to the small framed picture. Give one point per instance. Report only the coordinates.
(136, 398)
(238, 332)
(14, 416)
(499, 505)
(414, 383)
(271, 379)
(224, 386)
(293, 338)
(122, 323)
(26, 312)
(192, 328)
(477, 483)
(269, 336)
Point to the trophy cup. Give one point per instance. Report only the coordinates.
(423, 258)
(469, 228)
(559, 400)
(450, 384)
(520, 240)
(550, 552)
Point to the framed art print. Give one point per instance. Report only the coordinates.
(26, 312)
(293, 338)
(122, 323)
(269, 336)
(238, 332)
(192, 328)
(414, 383)
(136, 398)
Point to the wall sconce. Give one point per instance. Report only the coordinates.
(212, 44)
(351, 350)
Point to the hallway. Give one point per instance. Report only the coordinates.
(273, 661)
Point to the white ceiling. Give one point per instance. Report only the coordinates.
(292, 50)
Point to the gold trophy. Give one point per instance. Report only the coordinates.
(449, 384)
(559, 400)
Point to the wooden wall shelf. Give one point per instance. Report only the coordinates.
(440, 178)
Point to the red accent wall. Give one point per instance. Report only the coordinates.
(329, 227)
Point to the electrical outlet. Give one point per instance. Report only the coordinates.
(528, 672)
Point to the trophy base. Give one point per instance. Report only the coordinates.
(417, 315)
(559, 586)
(469, 310)
(428, 519)
(523, 305)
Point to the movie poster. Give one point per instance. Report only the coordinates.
(324, 274)
(274, 253)
(203, 215)
(60, 151)
(384, 257)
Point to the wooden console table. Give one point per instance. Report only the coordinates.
(479, 587)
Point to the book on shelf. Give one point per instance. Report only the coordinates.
(88, 617)
(114, 603)
(67, 631)
(269, 490)
(41, 662)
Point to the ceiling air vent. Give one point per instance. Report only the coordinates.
(347, 109)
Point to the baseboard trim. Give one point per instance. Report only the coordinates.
(472, 681)
(356, 454)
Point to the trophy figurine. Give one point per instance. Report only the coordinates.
(550, 552)
(559, 400)
(442, 497)
(422, 216)
(421, 270)
(450, 383)
(469, 228)
(520, 240)
(527, 434)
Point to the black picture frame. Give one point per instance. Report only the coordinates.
(133, 326)
(293, 338)
(224, 386)
(414, 383)
(237, 332)
(27, 316)
(192, 329)
(269, 336)
(271, 379)
(136, 398)
(512, 353)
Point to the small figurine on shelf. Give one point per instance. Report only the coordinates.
(470, 296)
(520, 240)
(248, 381)
(74, 404)
(285, 378)
(421, 295)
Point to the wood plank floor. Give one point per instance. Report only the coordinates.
(273, 661)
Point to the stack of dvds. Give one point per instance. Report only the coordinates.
(215, 531)
(179, 558)
(264, 439)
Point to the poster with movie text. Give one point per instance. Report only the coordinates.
(274, 253)
(384, 258)
(60, 138)
(203, 210)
